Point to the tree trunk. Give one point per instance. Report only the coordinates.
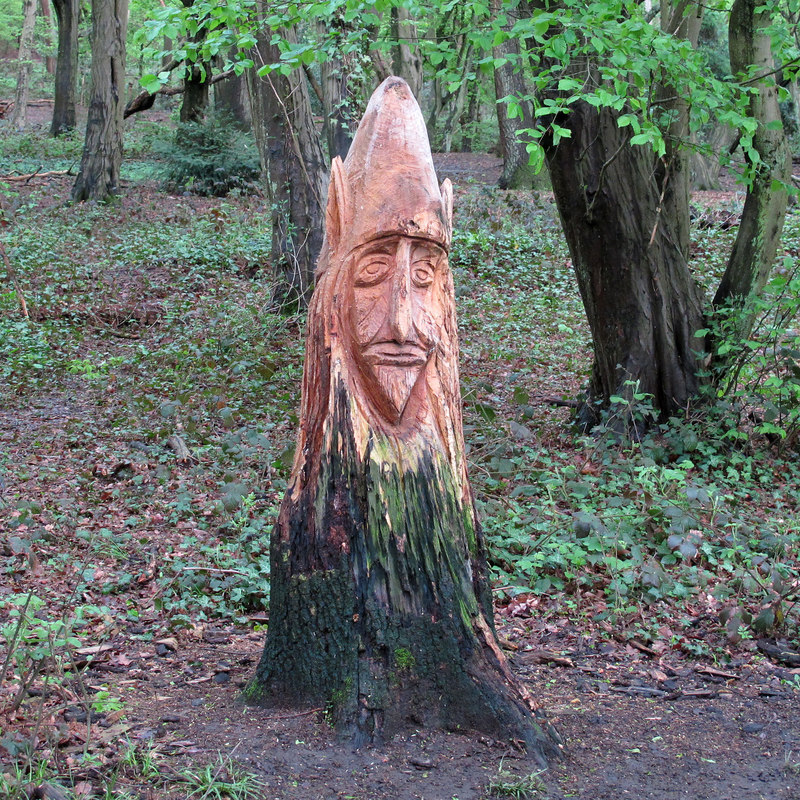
(292, 159)
(706, 165)
(49, 61)
(459, 100)
(68, 16)
(231, 96)
(20, 114)
(470, 120)
(681, 20)
(641, 301)
(340, 105)
(765, 205)
(509, 81)
(406, 60)
(196, 80)
(98, 178)
(380, 604)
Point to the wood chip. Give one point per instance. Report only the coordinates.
(542, 657)
(717, 673)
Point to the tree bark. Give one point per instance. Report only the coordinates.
(458, 101)
(406, 60)
(509, 81)
(98, 178)
(231, 96)
(196, 81)
(68, 17)
(339, 102)
(380, 605)
(641, 301)
(294, 165)
(195, 92)
(765, 205)
(20, 114)
(49, 61)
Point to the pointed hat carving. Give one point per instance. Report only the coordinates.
(389, 171)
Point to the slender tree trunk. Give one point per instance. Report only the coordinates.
(196, 81)
(673, 174)
(49, 60)
(765, 205)
(509, 81)
(294, 165)
(459, 100)
(339, 101)
(231, 96)
(20, 113)
(406, 60)
(68, 17)
(470, 119)
(98, 178)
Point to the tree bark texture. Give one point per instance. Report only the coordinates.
(509, 81)
(98, 178)
(765, 205)
(641, 301)
(25, 66)
(47, 14)
(68, 18)
(231, 96)
(196, 80)
(294, 164)
(380, 602)
(406, 60)
(681, 20)
(339, 105)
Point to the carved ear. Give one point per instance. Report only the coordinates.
(447, 206)
(338, 204)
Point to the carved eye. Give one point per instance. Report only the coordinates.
(373, 270)
(422, 273)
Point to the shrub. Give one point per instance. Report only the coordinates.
(209, 158)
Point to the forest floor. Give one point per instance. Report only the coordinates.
(139, 573)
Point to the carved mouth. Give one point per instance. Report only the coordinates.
(393, 354)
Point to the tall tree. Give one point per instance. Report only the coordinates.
(25, 65)
(196, 79)
(68, 17)
(406, 59)
(294, 165)
(47, 14)
(625, 213)
(98, 178)
(509, 82)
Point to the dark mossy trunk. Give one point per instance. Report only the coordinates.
(98, 178)
(195, 92)
(380, 599)
(643, 305)
(68, 16)
(294, 165)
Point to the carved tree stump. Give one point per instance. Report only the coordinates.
(381, 608)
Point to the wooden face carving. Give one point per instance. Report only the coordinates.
(397, 316)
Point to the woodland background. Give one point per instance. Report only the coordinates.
(645, 561)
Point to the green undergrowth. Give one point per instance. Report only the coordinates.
(153, 318)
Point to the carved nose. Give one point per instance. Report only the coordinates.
(400, 315)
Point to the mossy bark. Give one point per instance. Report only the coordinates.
(380, 607)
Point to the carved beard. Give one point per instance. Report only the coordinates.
(397, 383)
